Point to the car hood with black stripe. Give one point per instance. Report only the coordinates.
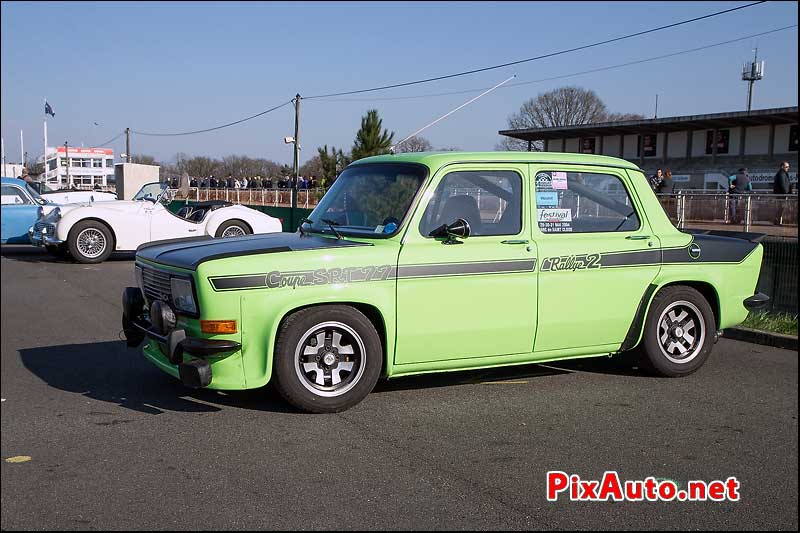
(191, 252)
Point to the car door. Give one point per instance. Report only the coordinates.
(166, 225)
(597, 256)
(475, 297)
(19, 213)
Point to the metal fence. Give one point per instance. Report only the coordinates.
(772, 214)
(306, 198)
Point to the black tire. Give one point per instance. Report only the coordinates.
(232, 225)
(297, 372)
(59, 251)
(90, 241)
(679, 332)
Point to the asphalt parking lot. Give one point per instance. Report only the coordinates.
(115, 444)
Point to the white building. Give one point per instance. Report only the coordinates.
(87, 167)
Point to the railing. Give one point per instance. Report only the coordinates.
(306, 198)
(773, 214)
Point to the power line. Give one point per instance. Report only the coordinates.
(552, 54)
(214, 128)
(600, 69)
(109, 141)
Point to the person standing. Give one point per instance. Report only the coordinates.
(656, 179)
(740, 184)
(780, 185)
(665, 186)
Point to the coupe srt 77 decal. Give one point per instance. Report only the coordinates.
(324, 276)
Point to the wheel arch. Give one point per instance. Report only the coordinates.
(372, 313)
(706, 289)
(101, 221)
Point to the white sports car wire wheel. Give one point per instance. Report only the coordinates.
(91, 243)
(233, 231)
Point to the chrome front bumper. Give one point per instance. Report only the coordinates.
(42, 234)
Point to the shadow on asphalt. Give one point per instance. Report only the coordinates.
(32, 254)
(112, 372)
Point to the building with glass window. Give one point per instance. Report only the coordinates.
(700, 150)
(88, 167)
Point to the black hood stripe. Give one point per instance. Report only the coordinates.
(190, 254)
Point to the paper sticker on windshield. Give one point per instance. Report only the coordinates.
(555, 215)
(546, 199)
(555, 220)
(544, 182)
(559, 181)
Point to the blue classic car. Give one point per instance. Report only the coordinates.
(21, 207)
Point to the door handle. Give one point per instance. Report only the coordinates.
(637, 237)
(192, 229)
(514, 241)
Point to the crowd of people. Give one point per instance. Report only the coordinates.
(738, 184)
(256, 182)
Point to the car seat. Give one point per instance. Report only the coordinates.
(197, 215)
(462, 206)
(185, 212)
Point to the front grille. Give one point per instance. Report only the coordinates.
(39, 226)
(156, 284)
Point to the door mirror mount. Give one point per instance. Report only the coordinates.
(457, 230)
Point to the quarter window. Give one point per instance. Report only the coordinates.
(490, 201)
(583, 202)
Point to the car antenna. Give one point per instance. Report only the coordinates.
(393, 147)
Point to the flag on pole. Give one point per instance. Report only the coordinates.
(48, 110)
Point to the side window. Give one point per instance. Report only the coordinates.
(583, 202)
(13, 195)
(490, 201)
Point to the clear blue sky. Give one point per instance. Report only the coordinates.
(166, 67)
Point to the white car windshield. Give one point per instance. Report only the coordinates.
(35, 195)
(151, 192)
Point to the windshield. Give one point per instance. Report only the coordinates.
(368, 200)
(151, 191)
(35, 195)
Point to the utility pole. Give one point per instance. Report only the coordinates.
(22, 148)
(751, 73)
(655, 115)
(128, 145)
(66, 154)
(296, 158)
(3, 152)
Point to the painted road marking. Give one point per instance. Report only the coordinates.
(19, 459)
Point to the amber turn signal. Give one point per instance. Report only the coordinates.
(218, 326)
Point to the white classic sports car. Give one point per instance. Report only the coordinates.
(91, 232)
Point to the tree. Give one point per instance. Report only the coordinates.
(312, 167)
(332, 163)
(565, 106)
(33, 166)
(415, 144)
(369, 139)
(143, 159)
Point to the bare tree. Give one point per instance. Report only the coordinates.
(448, 149)
(565, 106)
(415, 144)
(143, 159)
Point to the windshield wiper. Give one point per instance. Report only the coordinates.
(332, 224)
(304, 221)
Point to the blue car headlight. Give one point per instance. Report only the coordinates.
(183, 295)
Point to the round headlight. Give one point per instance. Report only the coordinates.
(56, 214)
(40, 212)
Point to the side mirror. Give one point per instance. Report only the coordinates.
(458, 229)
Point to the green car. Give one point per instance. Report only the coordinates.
(429, 262)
